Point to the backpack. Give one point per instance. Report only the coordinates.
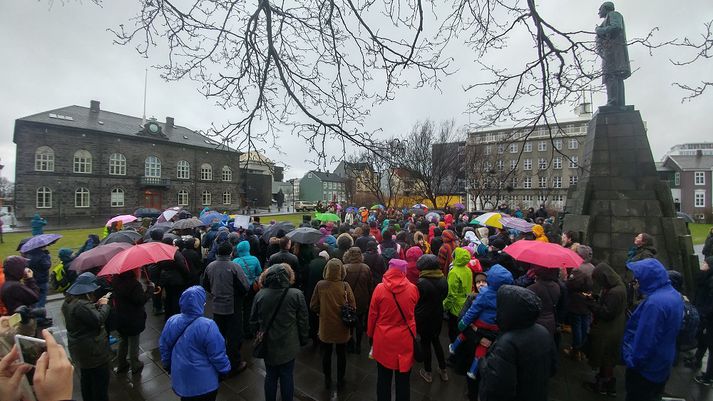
(688, 334)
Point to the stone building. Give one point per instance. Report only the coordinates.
(79, 166)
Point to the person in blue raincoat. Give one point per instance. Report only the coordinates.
(193, 350)
(649, 344)
(37, 223)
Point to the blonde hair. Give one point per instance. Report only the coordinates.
(290, 274)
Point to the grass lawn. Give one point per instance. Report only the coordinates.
(699, 232)
(73, 239)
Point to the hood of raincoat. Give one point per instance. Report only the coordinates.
(461, 257)
(604, 276)
(243, 248)
(538, 230)
(65, 255)
(353, 255)
(395, 281)
(412, 255)
(448, 236)
(345, 241)
(277, 276)
(518, 308)
(334, 270)
(14, 267)
(330, 240)
(676, 280)
(650, 273)
(192, 301)
(497, 277)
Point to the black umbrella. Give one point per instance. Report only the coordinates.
(187, 223)
(304, 235)
(160, 227)
(130, 237)
(272, 230)
(147, 212)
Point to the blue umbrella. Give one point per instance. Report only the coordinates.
(39, 241)
(209, 217)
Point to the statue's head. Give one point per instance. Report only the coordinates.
(605, 8)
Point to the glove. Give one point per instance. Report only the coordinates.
(461, 325)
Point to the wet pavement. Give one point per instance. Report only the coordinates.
(155, 385)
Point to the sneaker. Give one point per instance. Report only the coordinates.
(451, 349)
(426, 376)
(702, 379)
(471, 375)
(444, 374)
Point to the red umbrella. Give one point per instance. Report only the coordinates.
(137, 256)
(543, 254)
(98, 256)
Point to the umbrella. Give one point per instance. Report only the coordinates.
(211, 217)
(304, 235)
(137, 256)
(338, 206)
(490, 219)
(129, 237)
(98, 256)
(326, 217)
(168, 214)
(39, 241)
(419, 206)
(351, 209)
(543, 254)
(22, 242)
(188, 223)
(377, 206)
(459, 206)
(433, 215)
(124, 218)
(160, 227)
(418, 212)
(147, 212)
(517, 223)
(273, 229)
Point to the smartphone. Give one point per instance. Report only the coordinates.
(30, 348)
(107, 295)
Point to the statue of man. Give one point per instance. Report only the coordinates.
(611, 46)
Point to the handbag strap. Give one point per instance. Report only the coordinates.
(182, 331)
(403, 316)
(277, 309)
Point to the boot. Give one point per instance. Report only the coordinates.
(597, 387)
(610, 387)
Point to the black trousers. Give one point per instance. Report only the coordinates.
(204, 397)
(230, 327)
(173, 295)
(431, 341)
(94, 383)
(383, 384)
(640, 389)
(452, 327)
(327, 361)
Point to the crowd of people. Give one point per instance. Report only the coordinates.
(382, 286)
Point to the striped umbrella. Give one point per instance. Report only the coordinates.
(490, 219)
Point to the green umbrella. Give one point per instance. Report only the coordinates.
(326, 217)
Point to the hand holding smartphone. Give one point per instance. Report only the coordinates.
(30, 348)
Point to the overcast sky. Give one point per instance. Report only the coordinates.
(60, 55)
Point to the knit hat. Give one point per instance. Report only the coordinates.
(14, 266)
(398, 264)
(427, 262)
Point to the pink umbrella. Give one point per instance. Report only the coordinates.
(124, 218)
(543, 254)
(98, 256)
(137, 256)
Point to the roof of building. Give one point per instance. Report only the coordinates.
(254, 156)
(704, 162)
(327, 176)
(103, 121)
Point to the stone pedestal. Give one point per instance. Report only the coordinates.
(620, 195)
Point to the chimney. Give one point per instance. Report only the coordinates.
(169, 122)
(699, 153)
(94, 106)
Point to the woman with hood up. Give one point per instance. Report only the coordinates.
(375, 261)
(193, 350)
(316, 270)
(419, 240)
(445, 252)
(19, 288)
(394, 300)
(344, 242)
(539, 233)
(288, 331)
(327, 300)
(432, 289)
(38, 224)
(359, 279)
(460, 284)
(412, 256)
(252, 269)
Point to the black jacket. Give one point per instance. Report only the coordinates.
(549, 293)
(128, 300)
(520, 362)
(285, 257)
(429, 309)
(704, 294)
(194, 261)
(376, 264)
(362, 241)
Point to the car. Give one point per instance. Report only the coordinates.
(302, 206)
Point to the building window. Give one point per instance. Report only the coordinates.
(573, 179)
(183, 170)
(183, 198)
(558, 198)
(527, 198)
(573, 143)
(152, 167)
(81, 197)
(487, 150)
(82, 162)
(700, 178)
(206, 198)
(487, 166)
(541, 198)
(206, 172)
(513, 182)
(573, 161)
(543, 182)
(44, 198)
(501, 149)
(542, 164)
(558, 144)
(227, 198)
(556, 182)
(527, 183)
(227, 174)
(527, 147)
(700, 199)
(513, 164)
(542, 146)
(557, 163)
(117, 164)
(501, 165)
(677, 178)
(527, 164)
(513, 148)
(44, 159)
(117, 197)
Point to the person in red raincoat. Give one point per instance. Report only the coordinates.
(388, 330)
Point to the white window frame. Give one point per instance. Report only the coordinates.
(82, 198)
(117, 164)
(574, 161)
(501, 149)
(557, 163)
(527, 182)
(226, 174)
(206, 198)
(183, 170)
(227, 198)
(117, 197)
(677, 178)
(501, 165)
(152, 166)
(573, 143)
(513, 164)
(699, 198)
(513, 148)
(573, 179)
(46, 194)
(513, 182)
(542, 164)
(206, 172)
(527, 164)
(557, 182)
(487, 150)
(543, 182)
(82, 162)
(699, 178)
(182, 196)
(527, 147)
(44, 159)
(542, 146)
(558, 144)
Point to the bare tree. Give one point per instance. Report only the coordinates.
(7, 188)
(489, 181)
(703, 51)
(383, 180)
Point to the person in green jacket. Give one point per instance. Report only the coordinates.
(460, 283)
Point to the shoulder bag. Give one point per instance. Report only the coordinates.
(417, 350)
(349, 315)
(260, 342)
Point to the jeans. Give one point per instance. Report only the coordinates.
(580, 329)
(231, 329)
(327, 361)
(285, 373)
(383, 384)
(203, 397)
(640, 389)
(94, 383)
(42, 301)
(426, 343)
(128, 345)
